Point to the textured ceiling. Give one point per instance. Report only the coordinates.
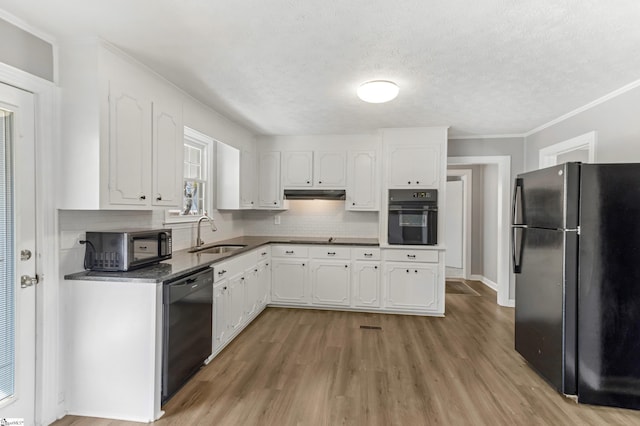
(293, 66)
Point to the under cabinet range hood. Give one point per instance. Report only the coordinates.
(314, 194)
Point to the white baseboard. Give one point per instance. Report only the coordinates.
(486, 281)
(511, 303)
(454, 273)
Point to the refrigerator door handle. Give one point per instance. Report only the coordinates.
(516, 248)
(516, 206)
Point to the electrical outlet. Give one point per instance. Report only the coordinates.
(71, 239)
(276, 220)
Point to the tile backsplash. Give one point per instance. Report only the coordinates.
(313, 218)
(74, 223)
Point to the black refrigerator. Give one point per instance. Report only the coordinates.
(576, 256)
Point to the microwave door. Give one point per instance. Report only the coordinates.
(144, 248)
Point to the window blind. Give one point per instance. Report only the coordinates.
(7, 278)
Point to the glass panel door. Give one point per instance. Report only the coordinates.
(18, 255)
(7, 273)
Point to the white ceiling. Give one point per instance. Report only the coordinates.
(293, 66)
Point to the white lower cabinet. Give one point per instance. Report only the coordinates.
(264, 283)
(330, 282)
(236, 301)
(251, 291)
(289, 281)
(366, 284)
(237, 296)
(411, 286)
(220, 315)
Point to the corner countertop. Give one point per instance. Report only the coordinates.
(183, 263)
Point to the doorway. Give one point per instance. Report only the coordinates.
(458, 224)
(17, 255)
(504, 283)
(581, 148)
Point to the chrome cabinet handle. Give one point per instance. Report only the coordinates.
(368, 254)
(289, 252)
(331, 253)
(411, 256)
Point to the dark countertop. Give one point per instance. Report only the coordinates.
(182, 262)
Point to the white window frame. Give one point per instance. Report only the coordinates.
(194, 137)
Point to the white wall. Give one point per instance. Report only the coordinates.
(490, 223)
(16, 41)
(615, 121)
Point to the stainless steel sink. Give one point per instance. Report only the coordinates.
(217, 249)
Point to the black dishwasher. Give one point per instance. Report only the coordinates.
(187, 328)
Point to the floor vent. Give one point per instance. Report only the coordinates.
(371, 327)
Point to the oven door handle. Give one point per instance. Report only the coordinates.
(412, 209)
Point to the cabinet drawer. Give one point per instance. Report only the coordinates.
(263, 252)
(221, 271)
(411, 255)
(365, 253)
(290, 251)
(330, 252)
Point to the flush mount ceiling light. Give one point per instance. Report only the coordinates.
(378, 91)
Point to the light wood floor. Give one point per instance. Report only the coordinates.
(309, 367)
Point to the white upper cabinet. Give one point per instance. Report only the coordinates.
(362, 181)
(329, 169)
(122, 130)
(320, 169)
(235, 178)
(129, 146)
(297, 169)
(167, 142)
(247, 178)
(269, 188)
(415, 158)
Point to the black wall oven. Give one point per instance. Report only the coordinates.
(413, 217)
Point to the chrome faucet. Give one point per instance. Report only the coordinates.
(199, 241)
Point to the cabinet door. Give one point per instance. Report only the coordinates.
(330, 283)
(252, 290)
(129, 147)
(362, 182)
(366, 284)
(264, 283)
(236, 301)
(414, 166)
(411, 286)
(330, 169)
(220, 315)
(168, 142)
(297, 169)
(289, 281)
(269, 191)
(247, 178)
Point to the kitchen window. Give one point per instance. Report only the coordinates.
(197, 178)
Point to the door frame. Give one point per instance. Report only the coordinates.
(548, 155)
(504, 201)
(49, 400)
(466, 175)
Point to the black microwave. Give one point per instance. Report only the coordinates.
(126, 250)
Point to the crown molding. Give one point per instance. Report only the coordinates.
(605, 98)
(504, 136)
